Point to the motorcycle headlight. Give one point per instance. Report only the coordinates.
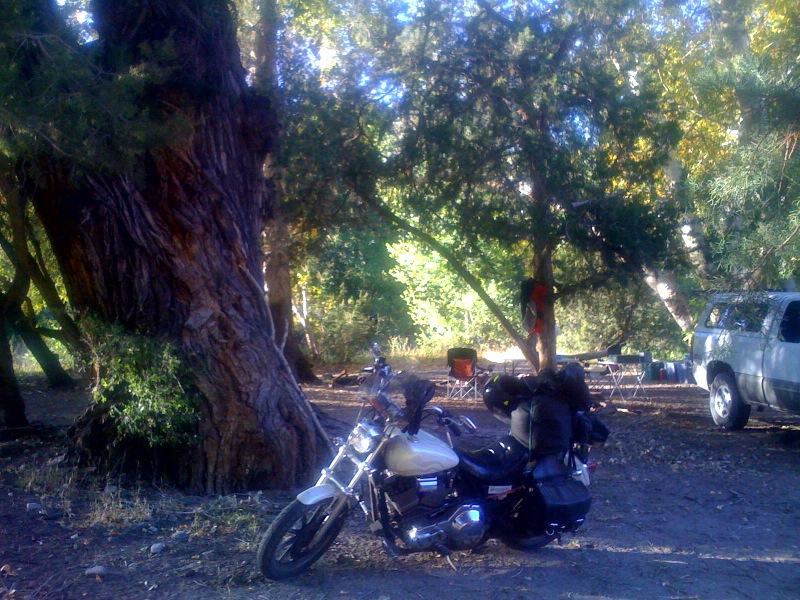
(364, 438)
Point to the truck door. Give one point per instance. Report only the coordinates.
(741, 345)
(782, 359)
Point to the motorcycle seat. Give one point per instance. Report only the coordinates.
(550, 467)
(499, 463)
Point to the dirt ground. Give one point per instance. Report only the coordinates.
(680, 510)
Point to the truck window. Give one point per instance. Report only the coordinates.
(790, 324)
(746, 316)
(714, 318)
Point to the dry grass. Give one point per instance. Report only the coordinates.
(79, 499)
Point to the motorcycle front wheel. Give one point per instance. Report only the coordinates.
(299, 535)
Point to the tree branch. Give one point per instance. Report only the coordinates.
(455, 264)
(751, 275)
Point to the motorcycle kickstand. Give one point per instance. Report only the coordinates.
(444, 552)
(390, 548)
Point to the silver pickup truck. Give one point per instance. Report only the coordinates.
(746, 352)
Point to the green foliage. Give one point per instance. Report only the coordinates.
(529, 130)
(350, 298)
(148, 387)
(343, 328)
(445, 311)
(737, 83)
(59, 94)
(593, 320)
(503, 133)
(755, 210)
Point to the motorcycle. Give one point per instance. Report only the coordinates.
(421, 493)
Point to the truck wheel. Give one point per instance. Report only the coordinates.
(728, 409)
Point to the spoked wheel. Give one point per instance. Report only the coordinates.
(299, 535)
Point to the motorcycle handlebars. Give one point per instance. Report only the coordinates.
(417, 393)
(456, 426)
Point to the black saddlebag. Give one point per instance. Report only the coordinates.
(566, 502)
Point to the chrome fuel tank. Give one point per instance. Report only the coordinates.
(416, 455)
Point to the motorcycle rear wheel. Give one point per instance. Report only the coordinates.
(527, 543)
(293, 541)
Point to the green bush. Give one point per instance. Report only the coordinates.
(343, 329)
(148, 388)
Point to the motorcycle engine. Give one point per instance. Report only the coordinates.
(428, 515)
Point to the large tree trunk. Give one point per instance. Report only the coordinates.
(277, 266)
(547, 343)
(279, 293)
(692, 234)
(170, 245)
(11, 403)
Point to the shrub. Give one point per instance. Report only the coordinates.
(148, 389)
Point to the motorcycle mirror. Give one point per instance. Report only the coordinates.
(467, 423)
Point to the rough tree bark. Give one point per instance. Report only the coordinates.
(170, 246)
(12, 404)
(11, 401)
(279, 293)
(546, 344)
(277, 266)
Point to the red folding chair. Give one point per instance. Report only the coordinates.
(462, 377)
